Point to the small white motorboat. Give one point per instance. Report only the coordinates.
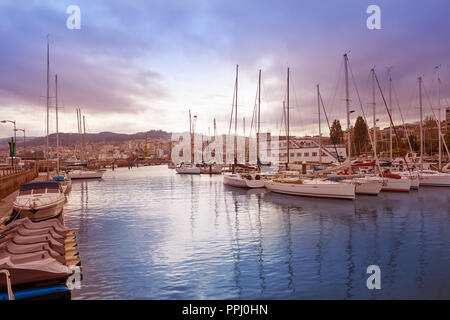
(39, 200)
(312, 188)
(244, 180)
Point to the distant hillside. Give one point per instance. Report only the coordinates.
(70, 139)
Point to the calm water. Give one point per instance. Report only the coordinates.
(148, 233)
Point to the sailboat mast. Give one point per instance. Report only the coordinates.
(191, 134)
(259, 116)
(288, 121)
(57, 126)
(390, 125)
(421, 124)
(235, 115)
(374, 115)
(347, 100)
(439, 124)
(320, 132)
(48, 106)
(84, 138)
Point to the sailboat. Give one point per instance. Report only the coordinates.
(306, 187)
(63, 179)
(430, 177)
(367, 185)
(44, 199)
(189, 168)
(243, 179)
(80, 171)
(393, 182)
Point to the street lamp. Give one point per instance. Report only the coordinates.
(24, 148)
(14, 122)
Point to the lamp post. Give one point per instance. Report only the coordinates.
(24, 147)
(13, 122)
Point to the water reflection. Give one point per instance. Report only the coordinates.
(191, 237)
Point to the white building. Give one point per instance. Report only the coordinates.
(307, 150)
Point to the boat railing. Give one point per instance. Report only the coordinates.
(8, 283)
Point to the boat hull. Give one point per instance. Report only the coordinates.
(40, 213)
(435, 179)
(332, 190)
(193, 170)
(86, 174)
(236, 181)
(368, 187)
(397, 185)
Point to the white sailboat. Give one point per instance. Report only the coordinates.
(45, 199)
(367, 185)
(430, 177)
(80, 171)
(63, 179)
(242, 180)
(189, 167)
(312, 188)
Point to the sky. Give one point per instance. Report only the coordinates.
(141, 65)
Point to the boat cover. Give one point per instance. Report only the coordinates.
(37, 253)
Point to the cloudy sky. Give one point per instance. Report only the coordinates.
(141, 65)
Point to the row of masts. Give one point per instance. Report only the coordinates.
(373, 138)
(82, 134)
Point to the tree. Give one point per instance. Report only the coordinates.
(360, 135)
(336, 132)
(430, 135)
(414, 144)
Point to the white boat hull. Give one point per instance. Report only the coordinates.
(188, 170)
(437, 179)
(314, 189)
(39, 213)
(368, 186)
(235, 180)
(78, 174)
(214, 170)
(414, 177)
(397, 185)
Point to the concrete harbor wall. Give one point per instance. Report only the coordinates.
(12, 182)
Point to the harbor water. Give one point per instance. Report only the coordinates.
(148, 233)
